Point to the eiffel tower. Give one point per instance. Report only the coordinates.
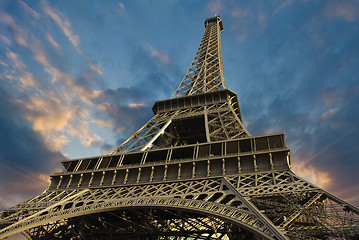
(191, 172)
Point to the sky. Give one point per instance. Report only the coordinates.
(79, 77)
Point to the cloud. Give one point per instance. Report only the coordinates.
(53, 113)
(331, 112)
(313, 174)
(25, 159)
(82, 130)
(96, 68)
(26, 182)
(47, 113)
(5, 40)
(18, 32)
(121, 110)
(121, 5)
(244, 18)
(215, 6)
(52, 41)
(239, 13)
(63, 23)
(161, 57)
(26, 79)
(136, 105)
(347, 10)
(29, 9)
(282, 6)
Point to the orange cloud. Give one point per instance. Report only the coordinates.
(136, 105)
(83, 131)
(103, 123)
(312, 174)
(36, 182)
(26, 79)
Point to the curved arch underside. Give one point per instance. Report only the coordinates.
(195, 209)
(144, 223)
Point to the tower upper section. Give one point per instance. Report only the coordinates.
(206, 71)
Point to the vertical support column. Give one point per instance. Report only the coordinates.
(208, 168)
(206, 124)
(152, 171)
(223, 166)
(271, 161)
(114, 177)
(239, 165)
(126, 177)
(81, 176)
(165, 173)
(102, 178)
(179, 171)
(138, 175)
(288, 160)
(58, 185)
(255, 163)
(193, 169)
(91, 179)
(272, 167)
(68, 185)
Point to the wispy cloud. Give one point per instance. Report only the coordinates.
(283, 5)
(159, 56)
(63, 23)
(96, 68)
(52, 113)
(53, 42)
(347, 10)
(29, 9)
(121, 5)
(5, 39)
(83, 131)
(103, 123)
(215, 6)
(20, 34)
(26, 79)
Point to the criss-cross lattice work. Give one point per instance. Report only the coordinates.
(206, 71)
(217, 118)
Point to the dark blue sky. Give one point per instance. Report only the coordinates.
(79, 77)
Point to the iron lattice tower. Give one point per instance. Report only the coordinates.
(192, 172)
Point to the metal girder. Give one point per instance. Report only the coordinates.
(207, 197)
(220, 119)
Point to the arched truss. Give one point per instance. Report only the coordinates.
(142, 223)
(211, 198)
(269, 205)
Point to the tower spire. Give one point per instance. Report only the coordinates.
(206, 71)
